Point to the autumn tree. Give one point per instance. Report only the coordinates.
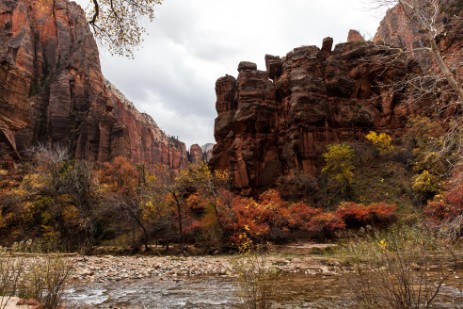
(121, 182)
(436, 23)
(57, 201)
(382, 141)
(339, 165)
(194, 190)
(118, 24)
(435, 153)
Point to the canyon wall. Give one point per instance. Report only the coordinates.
(274, 125)
(52, 91)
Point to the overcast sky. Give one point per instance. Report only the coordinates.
(192, 43)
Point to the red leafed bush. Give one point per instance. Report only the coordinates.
(300, 215)
(454, 197)
(326, 223)
(272, 208)
(446, 206)
(250, 218)
(271, 218)
(358, 215)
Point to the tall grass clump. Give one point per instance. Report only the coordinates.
(41, 278)
(45, 281)
(402, 267)
(255, 278)
(10, 275)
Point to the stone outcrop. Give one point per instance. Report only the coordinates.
(354, 37)
(199, 154)
(273, 126)
(52, 91)
(207, 151)
(195, 155)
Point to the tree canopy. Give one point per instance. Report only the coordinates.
(117, 25)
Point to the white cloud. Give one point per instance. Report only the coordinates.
(191, 43)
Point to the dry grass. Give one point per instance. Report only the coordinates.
(255, 281)
(43, 279)
(405, 267)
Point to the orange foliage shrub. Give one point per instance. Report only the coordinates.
(446, 206)
(196, 203)
(358, 215)
(326, 223)
(300, 216)
(120, 174)
(244, 221)
(271, 218)
(251, 218)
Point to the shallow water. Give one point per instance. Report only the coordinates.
(156, 293)
(295, 291)
(298, 291)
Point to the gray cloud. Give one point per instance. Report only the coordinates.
(191, 43)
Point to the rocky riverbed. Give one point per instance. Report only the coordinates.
(305, 280)
(115, 268)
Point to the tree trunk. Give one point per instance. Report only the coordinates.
(444, 68)
(180, 225)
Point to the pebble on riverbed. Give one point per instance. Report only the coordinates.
(116, 268)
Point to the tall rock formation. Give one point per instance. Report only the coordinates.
(273, 126)
(207, 151)
(52, 91)
(195, 155)
(199, 154)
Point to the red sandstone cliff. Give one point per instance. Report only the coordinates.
(273, 126)
(199, 154)
(396, 30)
(52, 91)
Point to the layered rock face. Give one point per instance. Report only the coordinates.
(52, 91)
(273, 126)
(207, 151)
(397, 30)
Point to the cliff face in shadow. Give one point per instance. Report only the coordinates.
(52, 91)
